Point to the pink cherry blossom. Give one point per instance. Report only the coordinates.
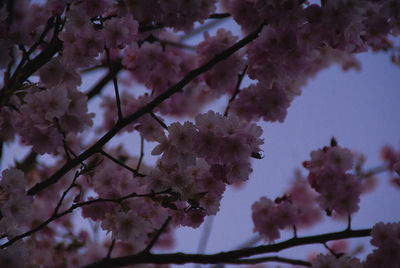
(116, 36)
(322, 261)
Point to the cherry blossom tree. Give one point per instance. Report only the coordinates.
(49, 49)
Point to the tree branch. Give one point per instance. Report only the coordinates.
(110, 249)
(77, 174)
(157, 235)
(115, 81)
(141, 153)
(71, 209)
(96, 89)
(22, 73)
(228, 256)
(144, 110)
(159, 120)
(237, 90)
(219, 16)
(134, 171)
(271, 259)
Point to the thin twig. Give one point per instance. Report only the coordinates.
(115, 160)
(77, 174)
(64, 140)
(349, 221)
(96, 89)
(110, 249)
(114, 78)
(237, 89)
(141, 154)
(157, 235)
(373, 171)
(337, 255)
(159, 120)
(7, 73)
(25, 55)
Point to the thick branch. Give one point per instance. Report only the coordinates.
(272, 259)
(144, 110)
(233, 256)
(20, 75)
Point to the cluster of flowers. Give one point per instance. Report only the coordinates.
(338, 190)
(296, 208)
(328, 184)
(292, 43)
(178, 14)
(269, 217)
(386, 237)
(83, 41)
(26, 27)
(391, 157)
(222, 78)
(158, 66)
(135, 219)
(132, 222)
(15, 205)
(331, 261)
(47, 114)
(199, 159)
